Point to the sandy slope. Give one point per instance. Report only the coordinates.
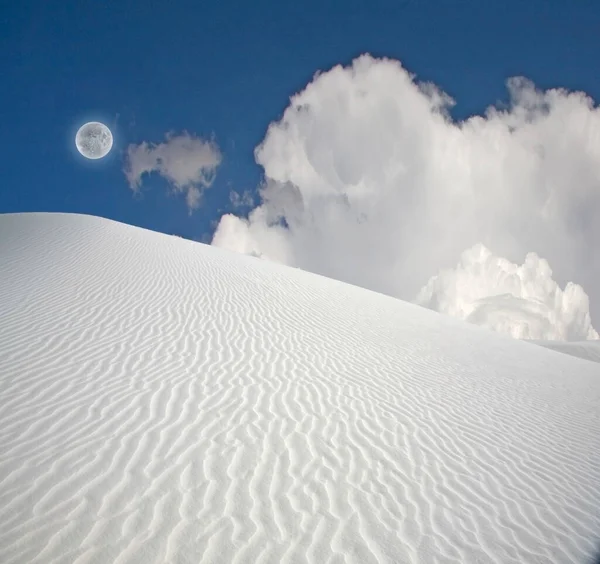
(165, 401)
(589, 350)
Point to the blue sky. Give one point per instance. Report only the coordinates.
(228, 70)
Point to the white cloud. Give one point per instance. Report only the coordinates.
(522, 301)
(369, 181)
(243, 200)
(187, 162)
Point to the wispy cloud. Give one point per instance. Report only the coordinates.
(243, 200)
(187, 162)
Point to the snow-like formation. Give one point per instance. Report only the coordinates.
(166, 401)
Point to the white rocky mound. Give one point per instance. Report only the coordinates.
(166, 401)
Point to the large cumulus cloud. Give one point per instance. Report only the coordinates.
(368, 180)
(519, 300)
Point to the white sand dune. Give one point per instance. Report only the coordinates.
(166, 401)
(590, 350)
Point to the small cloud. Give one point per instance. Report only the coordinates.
(192, 198)
(244, 200)
(187, 162)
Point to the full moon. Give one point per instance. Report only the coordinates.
(94, 140)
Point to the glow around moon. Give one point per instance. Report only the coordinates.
(94, 140)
